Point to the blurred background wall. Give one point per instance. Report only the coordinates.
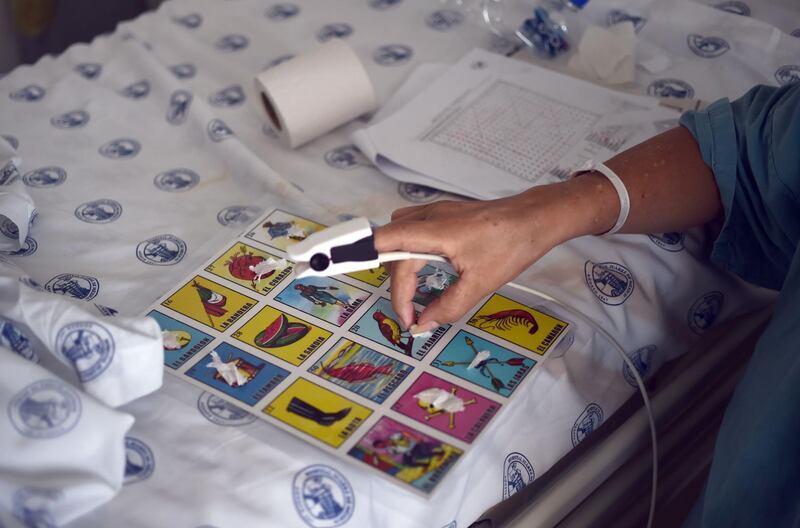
(32, 28)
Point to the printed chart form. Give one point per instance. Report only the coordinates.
(517, 130)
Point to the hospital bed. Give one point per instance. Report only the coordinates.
(226, 469)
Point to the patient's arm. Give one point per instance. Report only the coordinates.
(490, 242)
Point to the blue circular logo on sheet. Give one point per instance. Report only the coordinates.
(610, 282)
(383, 4)
(670, 88)
(45, 177)
(28, 247)
(29, 94)
(230, 96)
(191, 21)
(15, 340)
(704, 311)
(73, 119)
(218, 130)
(616, 16)
(137, 90)
(32, 506)
(77, 286)
(8, 174)
(11, 140)
(444, 19)
(280, 12)
(232, 43)
(322, 496)
(589, 420)
(106, 311)
(139, 461)
(787, 74)
(392, 54)
(176, 180)
(345, 157)
(517, 473)
(88, 345)
(332, 31)
(672, 241)
(89, 70)
(278, 60)
(418, 193)
(735, 7)
(122, 148)
(238, 215)
(101, 211)
(707, 47)
(45, 409)
(183, 71)
(178, 108)
(161, 250)
(641, 359)
(8, 227)
(222, 412)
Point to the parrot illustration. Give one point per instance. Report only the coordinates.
(390, 329)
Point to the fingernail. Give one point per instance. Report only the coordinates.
(407, 317)
(420, 330)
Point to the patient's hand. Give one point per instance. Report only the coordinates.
(488, 243)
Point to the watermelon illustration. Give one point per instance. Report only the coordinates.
(281, 332)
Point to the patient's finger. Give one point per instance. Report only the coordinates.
(404, 285)
(456, 300)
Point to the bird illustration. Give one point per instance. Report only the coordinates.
(390, 329)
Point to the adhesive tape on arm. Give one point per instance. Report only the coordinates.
(315, 92)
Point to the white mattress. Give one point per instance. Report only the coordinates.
(206, 465)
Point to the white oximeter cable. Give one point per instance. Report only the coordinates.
(634, 372)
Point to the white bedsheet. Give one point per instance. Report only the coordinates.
(193, 461)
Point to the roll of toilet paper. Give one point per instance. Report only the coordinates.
(315, 92)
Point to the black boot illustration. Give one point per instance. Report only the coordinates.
(306, 410)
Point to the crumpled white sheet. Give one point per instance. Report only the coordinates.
(211, 464)
(64, 370)
(62, 452)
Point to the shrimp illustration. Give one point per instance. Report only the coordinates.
(506, 319)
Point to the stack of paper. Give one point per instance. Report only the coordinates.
(490, 126)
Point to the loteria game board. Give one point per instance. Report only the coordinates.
(326, 359)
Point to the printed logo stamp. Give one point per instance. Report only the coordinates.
(74, 285)
(88, 345)
(610, 282)
(517, 473)
(705, 311)
(161, 250)
(221, 412)
(45, 409)
(589, 420)
(322, 496)
(101, 211)
(139, 461)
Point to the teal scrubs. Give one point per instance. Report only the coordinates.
(753, 147)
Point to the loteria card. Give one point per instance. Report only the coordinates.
(209, 303)
(374, 277)
(249, 267)
(323, 297)
(282, 335)
(181, 341)
(446, 407)
(518, 324)
(261, 377)
(280, 229)
(406, 454)
(381, 325)
(325, 358)
(483, 363)
(361, 370)
(318, 412)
